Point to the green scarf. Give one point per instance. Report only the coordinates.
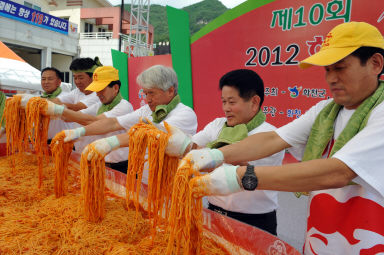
(229, 135)
(54, 94)
(323, 127)
(163, 110)
(3, 98)
(107, 107)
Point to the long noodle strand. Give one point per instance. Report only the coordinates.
(38, 124)
(185, 219)
(61, 152)
(92, 175)
(15, 126)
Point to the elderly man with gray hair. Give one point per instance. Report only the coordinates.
(159, 84)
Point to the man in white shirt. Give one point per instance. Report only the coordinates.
(79, 98)
(51, 79)
(159, 84)
(343, 149)
(111, 104)
(242, 95)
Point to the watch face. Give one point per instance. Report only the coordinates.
(249, 182)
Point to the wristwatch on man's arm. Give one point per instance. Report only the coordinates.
(249, 180)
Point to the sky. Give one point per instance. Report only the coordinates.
(182, 3)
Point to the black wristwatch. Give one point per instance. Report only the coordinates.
(249, 180)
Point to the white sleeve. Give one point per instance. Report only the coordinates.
(67, 98)
(124, 107)
(90, 99)
(92, 110)
(130, 119)
(296, 133)
(210, 132)
(364, 153)
(184, 119)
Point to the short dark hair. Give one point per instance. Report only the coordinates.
(113, 83)
(82, 64)
(364, 53)
(58, 73)
(246, 81)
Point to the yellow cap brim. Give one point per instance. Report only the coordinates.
(327, 57)
(97, 86)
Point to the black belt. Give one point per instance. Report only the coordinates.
(236, 214)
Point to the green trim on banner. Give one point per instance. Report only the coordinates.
(120, 62)
(229, 16)
(178, 23)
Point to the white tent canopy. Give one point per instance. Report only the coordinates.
(18, 75)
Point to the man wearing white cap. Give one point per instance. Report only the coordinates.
(343, 163)
(111, 104)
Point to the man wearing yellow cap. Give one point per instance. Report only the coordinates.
(159, 84)
(111, 104)
(342, 144)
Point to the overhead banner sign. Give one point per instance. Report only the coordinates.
(271, 37)
(31, 16)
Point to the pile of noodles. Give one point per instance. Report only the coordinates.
(34, 221)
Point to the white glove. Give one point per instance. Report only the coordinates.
(73, 134)
(54, 109)
(177, 142)
(220, 182)
(24, 99)
(205, 159)
(102, 146)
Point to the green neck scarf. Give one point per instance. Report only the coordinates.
(107, 107)
(54, 94)
(229, 135)
(323, 127)
(162, 111)
(3, 98)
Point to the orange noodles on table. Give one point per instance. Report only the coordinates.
(185, 225)
(92, 175)
(162, 168)
(38, 124)
(16, 128)
(61, 152)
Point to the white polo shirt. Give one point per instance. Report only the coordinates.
(250, 202)
(122, 108)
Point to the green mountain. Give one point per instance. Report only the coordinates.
(200, 14)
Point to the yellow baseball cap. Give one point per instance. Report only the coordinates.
(342, 40)
(103, 76)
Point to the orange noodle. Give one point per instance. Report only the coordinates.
(61, 152)
(38, 124)
(92, 175)
(162, 168)
(15, 126)
(185, 224)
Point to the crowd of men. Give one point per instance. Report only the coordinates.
(338, 141)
